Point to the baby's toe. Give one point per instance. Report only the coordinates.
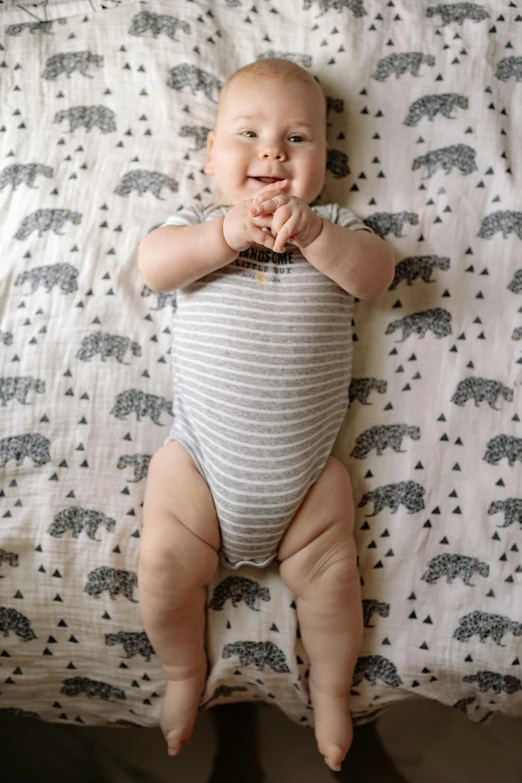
(175, 741)
(333, 755)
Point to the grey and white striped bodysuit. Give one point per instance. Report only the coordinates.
(261, 359)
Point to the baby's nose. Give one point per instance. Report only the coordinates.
(273, 153)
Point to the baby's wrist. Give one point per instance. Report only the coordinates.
(317, 229)
(226, 237)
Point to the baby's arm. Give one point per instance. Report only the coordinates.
(171, 257)
(362, 263)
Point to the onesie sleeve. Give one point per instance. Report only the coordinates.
(342, 216)
(191, 216)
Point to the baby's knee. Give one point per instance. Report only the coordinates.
(171, 553)
(329, 558)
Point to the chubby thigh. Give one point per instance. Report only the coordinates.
(320, 538)
(179, 519)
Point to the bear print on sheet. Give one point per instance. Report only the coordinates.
(458, 12)
(88, 117)
(411, 268)
(399, 64)
(480, 389)
(370, 607)
(147, 21)
(506, 221)
(47, 220)
(92, 125)
(512, 508)
(452, 566)
(107, 345)
(437, 320)
(459, 156)
(259, 654)
(384, 223)
(78, 519)
(504, 446)
(499, 683)
(33, 27)
(355, 6)
(516, 284)
(142, 404)
(360, 389)
(381, 436)
(376, 667)
(143, 181)
(407, 493)
(114, 580)
(186, 75)
(432, 105)
(140, 463)
(19, 173)
(18, 389)
(92, 688)
(18, 447)
(197, 132)
(509, 67)
(337, 163)
(238, 588)
(64, 276)
(15, 621)
(133, 643)
(69, 62)
(11, 558)
(483, 625)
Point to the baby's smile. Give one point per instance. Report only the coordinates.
(267, 180)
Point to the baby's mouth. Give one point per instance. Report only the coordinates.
(268, 180)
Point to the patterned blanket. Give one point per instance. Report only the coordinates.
(105, 111)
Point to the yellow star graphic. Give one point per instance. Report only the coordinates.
(261, 278)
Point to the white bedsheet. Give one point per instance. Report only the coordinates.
(103, 126)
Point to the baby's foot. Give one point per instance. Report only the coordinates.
(333, 726)
(180, 709)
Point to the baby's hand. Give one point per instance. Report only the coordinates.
(241, 229)
(292, 219)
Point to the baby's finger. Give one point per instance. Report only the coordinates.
(262, 221)
(270, 205)
(279, 185)
(285, 233)
(263, 238)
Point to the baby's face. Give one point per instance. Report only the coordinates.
(267, 128)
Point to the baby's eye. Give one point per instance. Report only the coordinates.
(295, 136)
(248, 131)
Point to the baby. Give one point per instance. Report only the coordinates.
(261, 358)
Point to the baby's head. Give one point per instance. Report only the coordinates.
(271, 123)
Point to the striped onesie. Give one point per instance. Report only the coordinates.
(261, 359)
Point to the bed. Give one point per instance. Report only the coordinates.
(105, 111)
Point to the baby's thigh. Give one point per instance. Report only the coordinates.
(320, 536)
(176, 493)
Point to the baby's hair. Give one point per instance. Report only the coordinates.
(277, 68)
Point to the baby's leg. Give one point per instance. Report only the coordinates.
(178, 557)
(318, 564)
